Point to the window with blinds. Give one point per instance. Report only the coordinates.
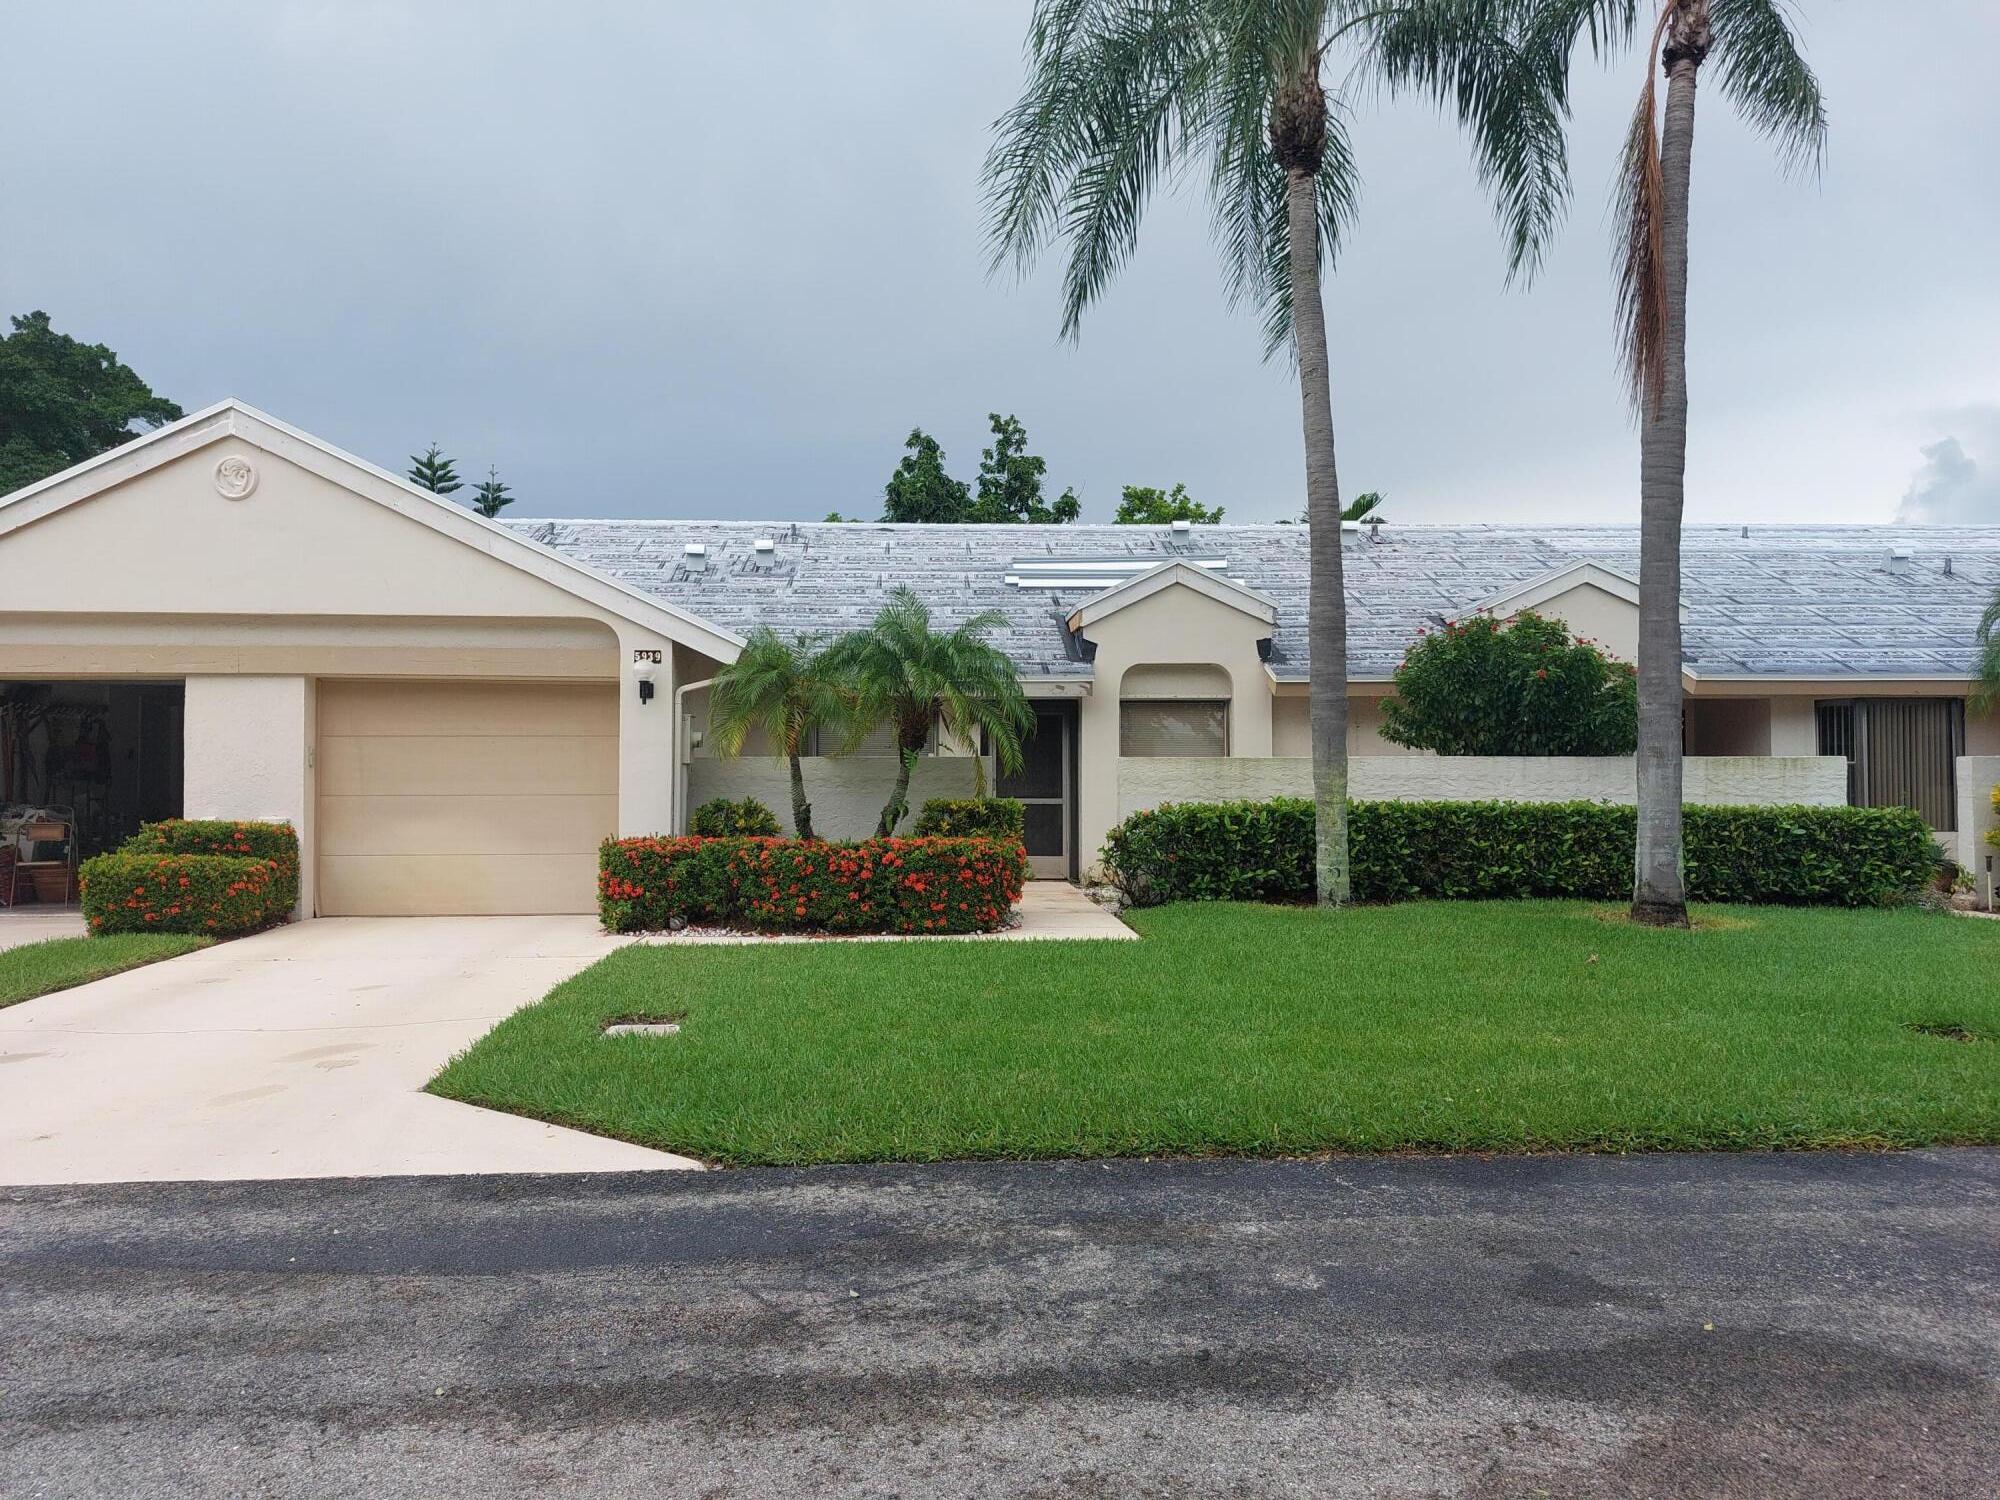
(1901, 752)
(1150, 728)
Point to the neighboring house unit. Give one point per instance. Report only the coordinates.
(455, 711)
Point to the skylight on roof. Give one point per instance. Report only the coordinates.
(1096, 572)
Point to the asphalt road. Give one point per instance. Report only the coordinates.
(1769, 1326)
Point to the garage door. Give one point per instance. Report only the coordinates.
(481, 798)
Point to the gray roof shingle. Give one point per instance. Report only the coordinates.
(1817, 601)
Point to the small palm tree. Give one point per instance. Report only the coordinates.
(1760, 72)
(1123, 95)
(787, 689)
(911, 677)
(1987, 695)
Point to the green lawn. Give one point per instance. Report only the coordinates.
(57, 964)
(1280, 1031)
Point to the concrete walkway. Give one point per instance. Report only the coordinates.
(1050, 910)
(296, 1053)
(21, 925)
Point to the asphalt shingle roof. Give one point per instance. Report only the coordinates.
(1820, 601)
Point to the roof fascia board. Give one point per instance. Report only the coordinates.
(358, 476)
(1559, 581)
(1237, 596)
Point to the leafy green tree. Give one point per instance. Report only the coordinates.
(1523, 687)
(434, 472)
(1124, 95)
(1010, 480)
(1362, 506)
(1763, 75)
(490, 496)
(1141, 505)
(921, 490)
(788, 689)
(62, 402)
(910, 676)
(834, 515)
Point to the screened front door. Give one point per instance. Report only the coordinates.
(1044, 786)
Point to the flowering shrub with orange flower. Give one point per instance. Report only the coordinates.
(923, 885)
(211, 876)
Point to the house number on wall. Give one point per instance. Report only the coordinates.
(643, 654)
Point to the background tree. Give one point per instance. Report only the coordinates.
(62, 402)
(905, 674)
(1123, 95)
(434, 472)
(1525, 687)
(1362, 506)
(1010, 480)
(921, 490)
(490, 496)
(1761, 73)
(787, 689)
(1141, 505)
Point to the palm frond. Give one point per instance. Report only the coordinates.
(1510, 92)
(1639, 252)
(1987, 667)
(1763, 73)
(1112, 99)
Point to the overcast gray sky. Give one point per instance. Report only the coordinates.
(702, 259)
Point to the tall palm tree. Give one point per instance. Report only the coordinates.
(1122, 94)
(1761, 73)
(787, 689)
(910, 676)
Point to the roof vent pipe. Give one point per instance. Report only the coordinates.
(1947, 566)
(1899, 559)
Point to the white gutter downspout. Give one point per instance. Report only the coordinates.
(683, 754)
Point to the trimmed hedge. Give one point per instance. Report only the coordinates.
(789, 885)
(212, 877)
(720, 818)
(971, 818)
(1263, 851)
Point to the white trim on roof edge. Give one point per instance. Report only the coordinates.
(233, 418)
(1560, 581)
(1238, 596)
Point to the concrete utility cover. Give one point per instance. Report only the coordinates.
(643, 1028)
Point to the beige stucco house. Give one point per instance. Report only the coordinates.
(228, 617)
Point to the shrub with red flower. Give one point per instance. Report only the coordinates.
(787, 885)
(212, 876)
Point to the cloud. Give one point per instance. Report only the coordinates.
(1953, 488)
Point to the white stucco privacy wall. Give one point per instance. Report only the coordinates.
(846, 792)
(1978, 775)
(1721, 780)
(249, 748)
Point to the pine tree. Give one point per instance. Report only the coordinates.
(490, 497)
(434, 472)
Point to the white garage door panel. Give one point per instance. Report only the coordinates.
(500, 764)
(455, 885)
(430, 824)
(463, 798)
(467, 708)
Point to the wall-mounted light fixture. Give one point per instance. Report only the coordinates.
(645, 667)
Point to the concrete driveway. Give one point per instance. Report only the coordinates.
(296, 1053)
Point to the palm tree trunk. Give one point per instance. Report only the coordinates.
(899, 796)
(1326, 620)
(802, 813)
(1659, 891)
